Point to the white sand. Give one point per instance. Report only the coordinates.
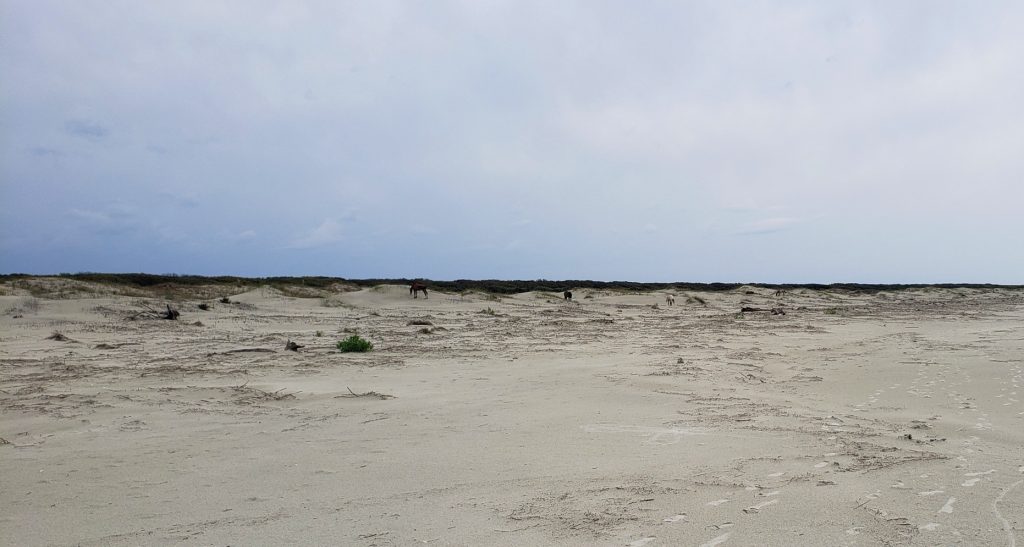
(601, 422)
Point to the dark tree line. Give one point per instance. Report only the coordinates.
(497, 286)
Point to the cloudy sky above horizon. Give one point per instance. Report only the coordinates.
(652, 141)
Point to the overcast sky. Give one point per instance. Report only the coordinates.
(649, 141)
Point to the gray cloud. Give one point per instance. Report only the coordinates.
(86, 129)
(46, 152)
(768, 225)
(113, 219)
(186, 201)
(328, 232)
(516, 138)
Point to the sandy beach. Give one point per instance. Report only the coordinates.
(888, 418)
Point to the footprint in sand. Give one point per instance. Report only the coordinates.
(779, 474)
(970, 482)
(717, 541)
(819, 465)
(948, 508)
(642, 541)
(716, 503)
(674, 518)
(931, 493)
(930, 527)
(757, 508)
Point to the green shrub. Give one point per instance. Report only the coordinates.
(354, 343)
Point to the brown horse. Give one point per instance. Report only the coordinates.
(416, 287)
(567, 295)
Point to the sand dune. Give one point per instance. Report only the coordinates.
(615, 419)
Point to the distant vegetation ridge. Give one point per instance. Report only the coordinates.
(497, 286)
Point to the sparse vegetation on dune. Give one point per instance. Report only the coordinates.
(178, 287)
(355, 343)
(84, 377)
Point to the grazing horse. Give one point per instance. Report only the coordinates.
(567, 295)
(416, 287)
(670, 300)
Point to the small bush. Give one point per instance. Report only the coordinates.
(225, 300)
(319, 333)
(204, 307)
(488, 311)
(354, 344)
(832, 311)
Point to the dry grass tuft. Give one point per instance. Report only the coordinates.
(352, 395)
(59, 337)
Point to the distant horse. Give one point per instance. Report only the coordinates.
(416, 287)
(670, 300)
(567, 295)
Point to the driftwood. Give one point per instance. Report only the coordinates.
(292, 346)
(148, 312)
(352, 394)
(241, 350)
(774, 311)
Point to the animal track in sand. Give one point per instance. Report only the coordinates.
(1010, 534)
(655, 435)
(948, 508)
